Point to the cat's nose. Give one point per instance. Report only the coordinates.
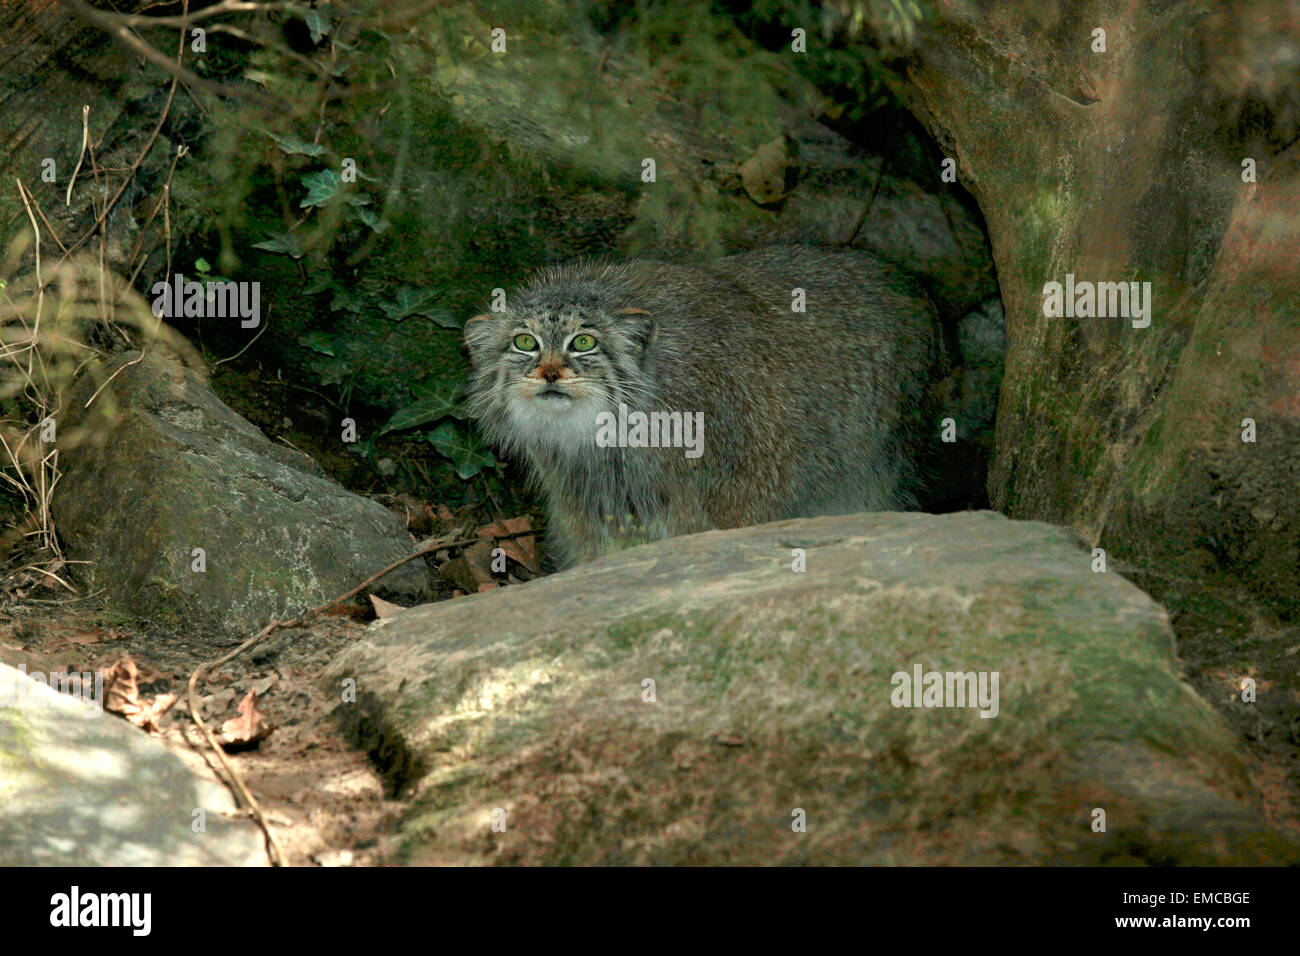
(549, 371)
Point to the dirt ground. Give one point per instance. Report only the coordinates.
(322, 796)
(1224, 636)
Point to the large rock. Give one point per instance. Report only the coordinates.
(159, 467)
(81, 787)
(772, 695)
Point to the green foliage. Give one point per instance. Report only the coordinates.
(318, 22)
(443, 406)
(410, 301)
(283, 242)
(292, 145)
(441, 402)
(849, 43)
(465, 449)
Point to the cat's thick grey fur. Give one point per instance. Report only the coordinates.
(805, 413)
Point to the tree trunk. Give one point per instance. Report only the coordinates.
(1131, 165)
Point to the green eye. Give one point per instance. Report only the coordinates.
(525, 342)
(583, 343)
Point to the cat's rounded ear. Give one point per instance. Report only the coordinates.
(477, 330)
(641, 325)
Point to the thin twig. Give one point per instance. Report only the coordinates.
(163, 200)
(880, 178)
(32, 567)
(124, 367)
(36, 230)
(278, 857)
(265, 325)
(188, 19)
(112, 23)
(85, 143)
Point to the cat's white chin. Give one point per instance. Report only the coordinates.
(564, 423)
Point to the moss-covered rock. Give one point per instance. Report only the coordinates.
(158, 467)
(688, 701)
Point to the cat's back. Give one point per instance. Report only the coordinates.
(786, 288)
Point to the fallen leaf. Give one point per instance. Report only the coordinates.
(217, 703)
(121, 691)
(472, 568)
(260, 687)
(122, 696)
(346, 609)
(148, 718)
(522, 549)
(384, 609)
(246, 730)
(47, 579)
(763, 174)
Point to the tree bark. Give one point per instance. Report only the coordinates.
(1128, 165)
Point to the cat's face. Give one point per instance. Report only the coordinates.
(542, 373)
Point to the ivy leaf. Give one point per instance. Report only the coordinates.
(409, 301)
(366, 448)
(444, 403)
(325, 186)
(282, 242)
(318, 22)
(347, 301)
(463, 447)
(321, 188)
(321, 342)
(371, 219)
(333, 371)
(293, 145)
(318, 282)
(442, 318)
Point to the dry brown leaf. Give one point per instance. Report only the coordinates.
(92, 636)
(445, 518)
(122, 695)
(216, 704)
(47, 580)
(384, 608)
(121, 690)
(146, 673)
(149, 716)
(472, 568)
(264, 684)
(763, 174)
(523, 549)
(246, 730)
(346, 609)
